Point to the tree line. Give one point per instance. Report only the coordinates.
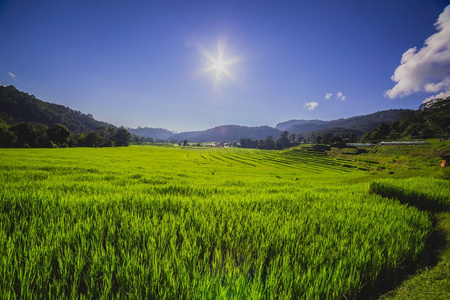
(287, 140)
(284, 141)
(29, 135)
(431, 120)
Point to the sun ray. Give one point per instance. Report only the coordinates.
(218, 64)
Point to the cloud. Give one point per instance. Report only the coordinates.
(311, 105)
(427, 69)
(340, 96)
(328, 95)
(12, 75)
(441, 95)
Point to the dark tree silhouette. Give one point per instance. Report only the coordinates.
(122, 137)
(27, 135)
(58, 134)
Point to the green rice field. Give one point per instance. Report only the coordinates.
(147, 222)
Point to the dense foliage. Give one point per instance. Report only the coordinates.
(334, 137)
(28, 122)
(165, 223)
(28, 135)
(432, 119)
(283, 142)
(358, 124)
(18, 107)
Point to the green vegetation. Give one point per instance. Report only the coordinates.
(27, 135)
(434, 195)
(430, 120)
(182, 222)
(27, 122)
(17, 107)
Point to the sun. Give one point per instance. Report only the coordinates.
(220, 67)
(219, 63)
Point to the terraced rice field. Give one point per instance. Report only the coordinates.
(164, 223)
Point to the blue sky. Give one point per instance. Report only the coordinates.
(194, 65)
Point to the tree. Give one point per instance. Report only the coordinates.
(270, 143)
(437, 115)
(7, 138)
(337, 141)
(327, 138)
(122, 137)
(58, 134)
(185, 142)
(318, 139)
(93, 139)
(283, 141)
(27, 135)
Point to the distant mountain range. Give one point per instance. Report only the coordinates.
(358, 124)
(233, 133)
(17, 107)
(154, 133)
(228, 133)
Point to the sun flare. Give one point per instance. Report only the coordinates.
(219, 63)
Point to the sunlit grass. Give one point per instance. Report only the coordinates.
(151, 222)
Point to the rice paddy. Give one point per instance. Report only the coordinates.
(197, 223)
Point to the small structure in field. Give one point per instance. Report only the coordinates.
(402, 143)
(445, 161)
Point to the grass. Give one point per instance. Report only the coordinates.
(156, 222)
(429, 282)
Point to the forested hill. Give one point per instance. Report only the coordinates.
(19, 107)
(361, 123)
(154, 133)
(286, 125)
(228, 133)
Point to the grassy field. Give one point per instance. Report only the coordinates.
(174, 222)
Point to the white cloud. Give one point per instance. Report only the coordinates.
(427, 69)
(340, 96)
(440, 96)
(311, 105)
(12, 75)
(328, 95)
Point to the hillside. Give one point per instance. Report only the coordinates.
(227, 133)
(18, 107)
(155, 133)
(308, 128)
(360, 123)
(286, 125)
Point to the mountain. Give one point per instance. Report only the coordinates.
(233, 133)
(154, 133)
(286, 125)
(19, 107)
(360, 123)
(227, 133)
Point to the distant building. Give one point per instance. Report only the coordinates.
(402, 143)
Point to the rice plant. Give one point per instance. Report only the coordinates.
(165, 223)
